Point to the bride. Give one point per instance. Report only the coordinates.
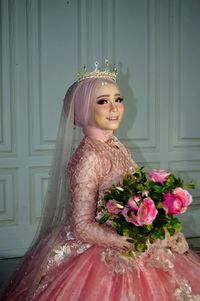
(73, 257)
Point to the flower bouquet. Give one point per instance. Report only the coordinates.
(145, 206)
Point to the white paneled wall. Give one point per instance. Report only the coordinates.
(155, 44)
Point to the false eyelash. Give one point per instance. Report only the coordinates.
(120, 99)
(101, 101)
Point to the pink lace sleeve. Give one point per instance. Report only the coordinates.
(84, 184)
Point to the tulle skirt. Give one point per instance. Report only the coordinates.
(94, 276)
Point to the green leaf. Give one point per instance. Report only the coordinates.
(125, 232)
(158, 233)
(159, 205)
(171, 231)
(130, 253)
(140, 247)
(103, 219)
(191, 185)
(130, 240)
(177, 226)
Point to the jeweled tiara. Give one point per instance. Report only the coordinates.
(106, 73)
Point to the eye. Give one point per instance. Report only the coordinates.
(119, 99)
(102, 101)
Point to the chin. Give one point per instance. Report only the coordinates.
(112, 128)
(108, 126)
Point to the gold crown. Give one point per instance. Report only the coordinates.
(107, 73)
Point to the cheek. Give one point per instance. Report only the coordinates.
(100, 111)
(98, 116)
(121, 109)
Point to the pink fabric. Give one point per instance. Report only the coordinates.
(84, 261)
(97, 133)
(87, 278)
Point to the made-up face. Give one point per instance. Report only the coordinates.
(108, 107)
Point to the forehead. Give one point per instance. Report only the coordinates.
(107, 89)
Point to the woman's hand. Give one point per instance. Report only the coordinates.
(125, 244)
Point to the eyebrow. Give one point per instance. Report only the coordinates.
(107, 95)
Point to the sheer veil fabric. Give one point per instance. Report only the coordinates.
(56, 206)
(56, 203)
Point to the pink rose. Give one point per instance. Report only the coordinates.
(176, 202)
(134, 219)
(112, 207)
(132, 202)
(184, 195)
(158, 175)
(130, 219)
(147, 212)
(125, 214)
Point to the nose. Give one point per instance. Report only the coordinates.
(113, 107)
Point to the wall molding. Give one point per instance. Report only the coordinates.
(9, 196)
(7, 80)
(177, 142)
(38, 179)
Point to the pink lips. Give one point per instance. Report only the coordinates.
(113, 118)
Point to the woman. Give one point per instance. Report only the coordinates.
(81, 259)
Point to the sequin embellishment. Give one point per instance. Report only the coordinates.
(184, 293)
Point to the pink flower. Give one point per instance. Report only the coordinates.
(184, 195)
(132, 202)
(176, 202)
(125, 214)
(134, 219)
(158, 175)
(130, 219)
(147, 212)
(112, 207)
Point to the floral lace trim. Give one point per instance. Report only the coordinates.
(118, 262)
(184, 293)
(67, 248)
(162, 258)
(158, 255)
(70, 247)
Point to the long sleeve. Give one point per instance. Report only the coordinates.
(84, 184)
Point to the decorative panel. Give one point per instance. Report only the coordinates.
(138, 58)
(7, 74)
(190, 170)
(8, 196)
(49, 44)
(38, 185)
(96, 31)
(184, 79)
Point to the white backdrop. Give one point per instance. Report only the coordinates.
(156, 45)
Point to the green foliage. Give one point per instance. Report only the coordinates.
(135, 185)
(104, 218)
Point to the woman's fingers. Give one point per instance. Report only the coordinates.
(127, 244)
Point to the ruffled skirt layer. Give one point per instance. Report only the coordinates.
(95, 275)
(87, 277)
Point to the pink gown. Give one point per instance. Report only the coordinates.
(83, 262)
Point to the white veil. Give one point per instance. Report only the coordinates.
(56, 204)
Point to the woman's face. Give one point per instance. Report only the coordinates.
(108, 107)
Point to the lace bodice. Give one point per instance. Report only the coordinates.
(92, 170)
